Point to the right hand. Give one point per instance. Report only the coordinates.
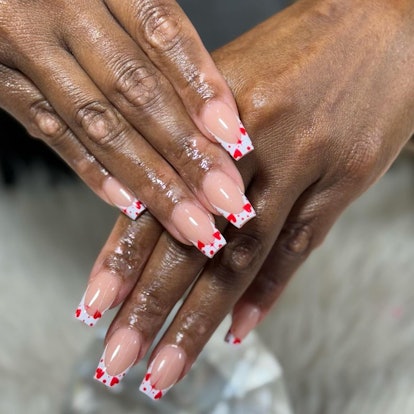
(127, 94)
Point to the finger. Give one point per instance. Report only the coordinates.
(212, 297)
(118, 266)
(306, 227)
(168, 273)
(24, 101)
(124, 152)
(167, 36)
(152, 107)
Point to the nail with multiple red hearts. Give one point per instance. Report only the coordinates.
(197, 227)
(227, 198)
(244, 320)
(164, 372)
(122, 198)
(120, 354)
(99, 296)
(227, 129)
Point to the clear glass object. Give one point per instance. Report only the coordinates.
(225, 380)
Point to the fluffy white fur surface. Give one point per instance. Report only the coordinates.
(343, 331)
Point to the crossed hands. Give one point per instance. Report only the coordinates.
(126, 93)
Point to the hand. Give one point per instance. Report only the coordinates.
(127, 94)
(327, 92)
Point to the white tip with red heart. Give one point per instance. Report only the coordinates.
(241, 218)
(212, 248)
(82, 315)
(239, 149)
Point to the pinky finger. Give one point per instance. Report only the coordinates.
(23, 101)
(302, 233)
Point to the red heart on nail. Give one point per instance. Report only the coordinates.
(158, 395)
(99, 373)
(237, 154)
(138, 205)
(243, 131)
(237, 341)
(231, 218)
(78, 312)
(147, 377)
(217, 235)
(97, 315)
(248, 208)
(200, 245)
(114, 381)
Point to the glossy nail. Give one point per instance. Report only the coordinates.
(164, 372)
(195, 225)
(122, 198)
(120, 354)
(225, 126)
(227, 198)
(99, 296)
(244, 321)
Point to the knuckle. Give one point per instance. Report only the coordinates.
(150, 306)
(296, 240)
(240, 257)
(363, 158)
(101, 124)
(137, 83)
(45, 124)
(161, 27)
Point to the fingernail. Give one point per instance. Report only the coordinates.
(120, 354)
(164, 372)
(244, 321)
(225, 126)
(122, 198)
(196, 226)
(225, 196)
(99, 296)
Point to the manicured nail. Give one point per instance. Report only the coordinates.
(99, 296)
(196, 226)
(225, 196)
(244, 321)
(120, 354)
(123, 198)
(225, 126)
(164, 372)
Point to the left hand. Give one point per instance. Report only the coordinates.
(327, 92)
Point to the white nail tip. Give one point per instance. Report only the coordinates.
(212, 248)
(239, 149)
(149, 390)
(102, 376)
(232, 340)
(134, 210)
(239, 219)
(82, 315)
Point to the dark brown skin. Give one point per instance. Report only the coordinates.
(103, 83)
(326, 89)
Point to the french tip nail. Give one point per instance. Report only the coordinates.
(243, 147)
(102, 376)
(210, 249)
(150, 391)
(232, 340)
(239, 219)
(82, 315)
(134, 210)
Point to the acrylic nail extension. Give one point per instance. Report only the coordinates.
(226, 127)
(164, 372)
(196, 227)
(244, 320)
(227, 198)
(120, 354)
(99, 296)
(122, 198)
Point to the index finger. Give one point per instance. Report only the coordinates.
(163, 31)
